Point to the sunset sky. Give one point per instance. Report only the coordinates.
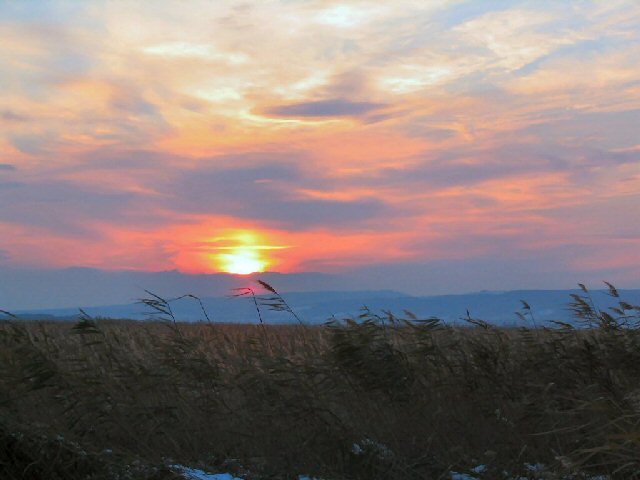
(322, 136)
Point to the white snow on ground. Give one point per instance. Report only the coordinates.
(461, 476)
(196, 474)
(466, 476)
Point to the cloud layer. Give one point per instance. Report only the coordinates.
(134, 135)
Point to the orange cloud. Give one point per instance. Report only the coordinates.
(351, 134)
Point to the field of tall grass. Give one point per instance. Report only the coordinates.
(376, 396)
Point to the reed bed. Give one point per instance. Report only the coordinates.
(372, 397)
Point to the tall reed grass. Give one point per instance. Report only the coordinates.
(376, 396)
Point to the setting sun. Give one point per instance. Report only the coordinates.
(242, 260)
(244, 254)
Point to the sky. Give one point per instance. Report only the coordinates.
(494, 139)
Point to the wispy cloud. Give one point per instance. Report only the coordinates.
(355, 133)
(325, 108)
(10, 116)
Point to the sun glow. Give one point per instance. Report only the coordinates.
(242, 260)
(247, 256)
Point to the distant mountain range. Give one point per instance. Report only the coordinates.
(37, 289)
(318, 307)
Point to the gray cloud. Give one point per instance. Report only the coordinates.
(7, 167)
(431, 133)
(266, 192)
(6, 185)
(466, 167)
(134, 160)
(463, 167)
(11, 116)
(326, 108)
(259, 186)
(128, 99)
(601, 129)
(349, 84)
(67, 208)
(30, 144)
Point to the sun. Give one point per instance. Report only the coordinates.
(243, 252)
(242, 261)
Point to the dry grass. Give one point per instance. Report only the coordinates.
(374, 397)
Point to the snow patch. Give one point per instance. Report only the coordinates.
(196, 474)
